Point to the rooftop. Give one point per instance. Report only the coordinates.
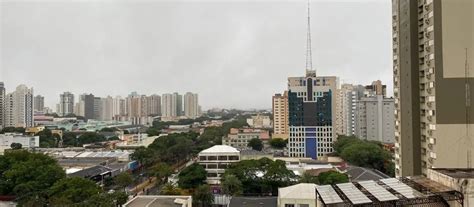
(360, 174)
(253, 202)
(456, 172)
(220, 149)
(298, 191)
(159, 201)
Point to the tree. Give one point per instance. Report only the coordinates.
(256, 144)
(16, 146)
(24, 174)
(107, 129)
(170, 189)
(13, 130)
(332, 178)
(203, 196)
(48, 139)
(263, 176)
(124, 179)
(344, 141)
(192, 176)
(278, 143)
(72, 190)
(308, 178)
(160, 170)
(143, 155)
(231, 185)
(153, 131)
(90, 137)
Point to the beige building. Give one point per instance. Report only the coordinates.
(191, 105)
(431, 83)
(280, 116)
(239, 138)
(259, 121)
(299, 195)
(19, 107)
(375, 119)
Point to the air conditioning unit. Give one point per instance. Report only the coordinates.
(428, 90)
(430, 146)
(428, 48)
(430, 160)
(427, 34)
(429, 118)
(428, 62)
(427, 21)
(427, 7)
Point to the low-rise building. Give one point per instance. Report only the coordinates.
(299, 195)
(239, 138)
(250, 154)
(259, 121)
(216, 159)
(461, 180)
(26, 141)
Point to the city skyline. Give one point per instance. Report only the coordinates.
(146, 60)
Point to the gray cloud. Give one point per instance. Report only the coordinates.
(233, 53)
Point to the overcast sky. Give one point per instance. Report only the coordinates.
(233, 53)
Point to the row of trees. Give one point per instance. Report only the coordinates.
(37, 180)
(365, 153)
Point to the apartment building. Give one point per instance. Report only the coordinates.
(26, 141)
(239, 138)
(191, 105)
(66, 104)
(2, 104)
(38, 103)
(432, 44)
(280, 116)
(19, 107)
(375, 119)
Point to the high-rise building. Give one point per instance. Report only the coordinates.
(179, 104)
(98, 108)
(168, 105)
(191, 105)
(432, 85)
(66, 104)
(375, 120)
(118, 106)
(311, 103)
(154, 105)
(376, 88)
(107, 105)
(38, 103)
(19, 107)
(348, 97)
(2, 104)
(280, 116)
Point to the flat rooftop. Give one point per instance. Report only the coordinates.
(456, 172)
(157, 201)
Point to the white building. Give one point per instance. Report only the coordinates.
(118, 107)
(2, 105)
(107, 106)
(299, 195)
(375, 119)
(66, 104)
(259, 121)
(19, 107)
(26, 141)
(168, 106)
(216, 159)
(191, 105)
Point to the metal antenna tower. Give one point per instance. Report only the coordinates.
(309, 57)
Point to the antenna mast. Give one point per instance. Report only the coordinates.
(309, 57)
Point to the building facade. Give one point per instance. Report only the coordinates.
(375, 119)
(312, 111)
(66, 104)
(259, 121)
(38, 103)
(26, 141)
(19, 107)
(2, 104)
(280, 116)
(239, 138)
(169, 105)
(154, 105)
(216, 159)
(432, 44)
(191, 105)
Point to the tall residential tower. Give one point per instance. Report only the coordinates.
(433, 47)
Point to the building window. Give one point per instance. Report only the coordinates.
(289, 205)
